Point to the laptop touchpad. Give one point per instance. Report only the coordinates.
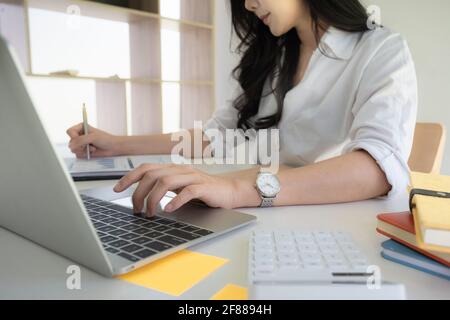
(127, 202)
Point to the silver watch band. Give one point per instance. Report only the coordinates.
(266, 202)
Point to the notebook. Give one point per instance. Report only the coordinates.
(401, 254)
(432, 214)
(400, 227)
(112, 168)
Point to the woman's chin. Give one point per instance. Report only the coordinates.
(276, 31)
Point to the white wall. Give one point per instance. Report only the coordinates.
(426, 26)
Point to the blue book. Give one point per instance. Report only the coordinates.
(399, 253)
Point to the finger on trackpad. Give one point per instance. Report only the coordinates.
(128, 202)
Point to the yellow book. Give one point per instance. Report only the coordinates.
(432, 213)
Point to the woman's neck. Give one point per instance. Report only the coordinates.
(305, 32)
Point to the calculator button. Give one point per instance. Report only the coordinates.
(264, 247)
(290, 265)
(331, 257)
(356, 257)
(326, 241)
(263, 242)
(285, 248)
(265, 257)
(284, 238)
(350, 249)
(329, 248)
(303, 234)
(308, 248)
(263, 237)
(310, 257)
(314, 265)
(265, 267)
(307, 240)
(284, 258)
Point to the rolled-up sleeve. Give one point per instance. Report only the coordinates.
(385, 111)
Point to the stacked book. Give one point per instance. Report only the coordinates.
(421, 238)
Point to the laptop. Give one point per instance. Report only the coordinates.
(40, 202)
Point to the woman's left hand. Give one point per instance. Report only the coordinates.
(155, 180)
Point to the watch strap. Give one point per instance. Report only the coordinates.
(266, 202)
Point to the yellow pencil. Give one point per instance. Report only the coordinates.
(86, 129)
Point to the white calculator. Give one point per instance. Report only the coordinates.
(313, 265)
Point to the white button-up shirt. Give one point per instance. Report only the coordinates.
(361, 95)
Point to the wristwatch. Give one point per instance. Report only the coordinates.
(268, 186)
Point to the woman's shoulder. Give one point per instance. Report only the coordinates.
(383, 38)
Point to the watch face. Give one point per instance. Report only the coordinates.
(268, 185)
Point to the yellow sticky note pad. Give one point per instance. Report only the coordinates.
(176, 273)
(231, 292)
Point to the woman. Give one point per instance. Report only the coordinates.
(343, 95)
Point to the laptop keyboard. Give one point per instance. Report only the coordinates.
(134, 237)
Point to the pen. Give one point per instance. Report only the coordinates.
(86, 130)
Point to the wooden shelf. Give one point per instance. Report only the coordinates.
(115, 13)
(132, 80)
(133, 104)
(62, 76)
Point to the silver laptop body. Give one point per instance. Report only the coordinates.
(40, 202)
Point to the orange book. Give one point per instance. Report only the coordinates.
(400, 227)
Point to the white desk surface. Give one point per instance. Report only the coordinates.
(28, 271)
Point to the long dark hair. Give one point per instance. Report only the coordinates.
(265, 56)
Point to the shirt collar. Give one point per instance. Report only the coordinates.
(338, 43)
